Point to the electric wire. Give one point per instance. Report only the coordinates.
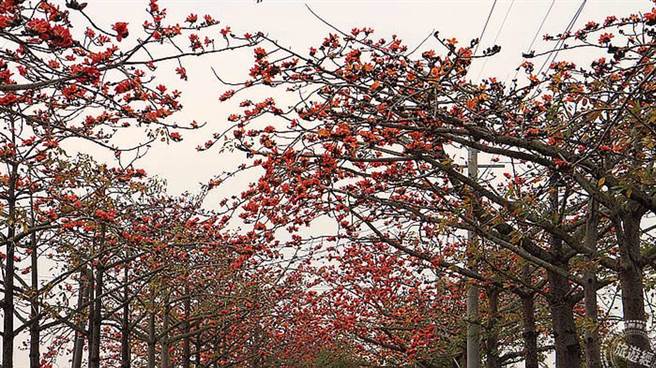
(537, 33)
(487, 21)
(561, 42)
(496, 37)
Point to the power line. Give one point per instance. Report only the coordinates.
(562, 40)
(503, 23)
(537, 33)
(544, 19)
(487, 21)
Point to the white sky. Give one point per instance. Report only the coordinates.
(290, 22)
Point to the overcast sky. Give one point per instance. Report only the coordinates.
(292, 24)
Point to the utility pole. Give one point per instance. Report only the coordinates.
(473, 317)
(473, 291)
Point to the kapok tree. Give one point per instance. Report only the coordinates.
(381, 124)
(62, 80)
(141, 276)
(340, 155)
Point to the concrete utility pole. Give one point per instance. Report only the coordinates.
(473, 318)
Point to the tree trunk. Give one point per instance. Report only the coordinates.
(164, 342)
(97, 319)
(125, 322)
(530, 333)
(493, 360)
(35, 339)
(592, 343)
(82, 298)
(199, 347)
(186, 330)
(8, 301)
(92, 315)
(94, 346)
(152, 340)
(473, 318)
(568, 349)
(631, 282)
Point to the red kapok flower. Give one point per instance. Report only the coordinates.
(650, 18)
(226, 95)
(182, 72)
(605, 38)
(259, 53)
(38, 26)
(175, 136)
(192, 18)
(121, 29)
(60, 36)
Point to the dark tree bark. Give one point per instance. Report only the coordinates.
(92, 315)
(35, 338)
(94, 362)
(199, 347)
(567, 346)
(8, 306)
(186, 330)
(530, 333)
(152, 340)
(568, 349)
(492, 345)
(630, 275)
(125, 320)
(164, 341)
(82, 299)
(592, 343)
(94, 346)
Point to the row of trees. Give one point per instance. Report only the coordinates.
(374, 140)
(350, 249)
(100, 266)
